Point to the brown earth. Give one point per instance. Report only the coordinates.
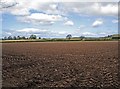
(62, 64)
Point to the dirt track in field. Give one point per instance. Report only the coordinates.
(63, 64)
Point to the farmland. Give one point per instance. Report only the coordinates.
(60, 64)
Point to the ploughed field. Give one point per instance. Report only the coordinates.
(60, 64)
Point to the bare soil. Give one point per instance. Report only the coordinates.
(62, 64)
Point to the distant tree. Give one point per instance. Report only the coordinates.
(82, 37)
(33, 36)
(69, 36)
(14, 38)
(39, 37)
(5, 38)
(109, 35)
(23, 37)
(18, 37)
(9, 37)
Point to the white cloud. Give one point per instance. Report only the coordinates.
(91, 34)
(45, 17)
(7, 3)
(40, 32)
(40, 18)
(97, 23)
(102, 33)
(69, 23)
(8, 33)
(52, 12)
(81, 27)
(31, 30)
(50, 7)
(91, 8)
(109, 9)
(62, 32)
(115, 21)
(23, 7)
(88, 34)
(15, 7)
(36, 31)
(20, 12)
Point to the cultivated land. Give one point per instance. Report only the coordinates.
(60, 64)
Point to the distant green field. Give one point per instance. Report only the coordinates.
(9, 41)
(50, 40)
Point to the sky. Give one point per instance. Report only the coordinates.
(57, 19)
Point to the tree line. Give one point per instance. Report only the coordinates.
(69, 36)
(20, 37)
